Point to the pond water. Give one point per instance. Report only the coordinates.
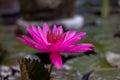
(100, 32)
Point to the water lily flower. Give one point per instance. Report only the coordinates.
(55, 41)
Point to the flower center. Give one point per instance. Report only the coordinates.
(53, 37)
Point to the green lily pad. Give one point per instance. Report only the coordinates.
(106, 74)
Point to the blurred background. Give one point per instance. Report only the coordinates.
(99, 18)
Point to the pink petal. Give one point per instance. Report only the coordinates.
(34, 44)
(32, 30)
(65, 49)
(86, 45)
(54, 30)
(71, 41)
(43, 36)
(22, 41)
(29, 41)
(57, 30)
(41, 49)
(39, 40)
(74, 39)
(29, 29)
(46, 29)
(77, 48)
(60, 30)
(82, 34)
(65, 37)
(69, 35)
(82, 48)
(56, 59)
(74, 50)
(52, 48)
(35, 35)
(59, 42)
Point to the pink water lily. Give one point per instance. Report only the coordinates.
(55, 41)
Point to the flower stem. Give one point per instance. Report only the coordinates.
(51, 68)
